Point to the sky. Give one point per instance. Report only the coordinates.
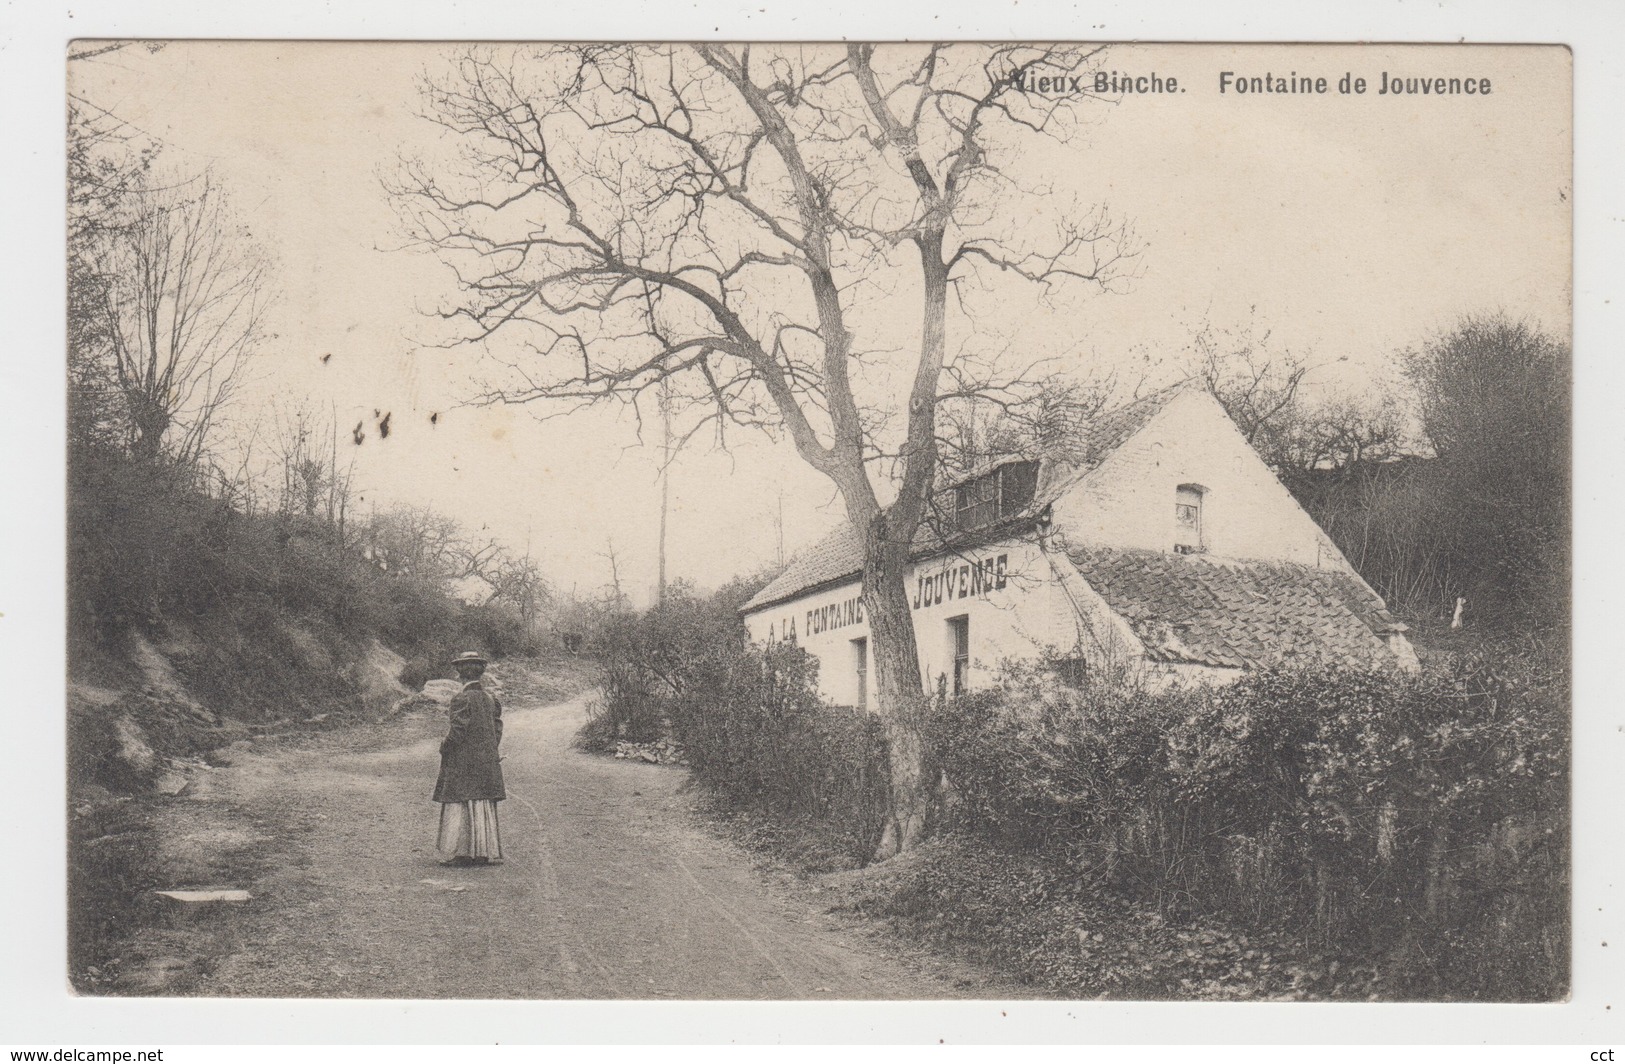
(1347, 226)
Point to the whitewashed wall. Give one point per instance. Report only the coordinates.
(1015, 608)
(1247, 513)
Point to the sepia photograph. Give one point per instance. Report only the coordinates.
(821, 522)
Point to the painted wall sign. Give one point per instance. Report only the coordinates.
(835, 615)
(955, 578)
(818, 621)
(961, 579)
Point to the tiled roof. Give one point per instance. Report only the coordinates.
(1106, 433)
(839, 556)
(1189, 608)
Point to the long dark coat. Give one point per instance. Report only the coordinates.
(469, 766)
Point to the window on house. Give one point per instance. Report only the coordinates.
(959, 635)
(860, 658)
(1018, 481)
(977, 503)
(1188, 519)
(1004, 492)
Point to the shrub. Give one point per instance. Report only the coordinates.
(495, 629)
(1033, 765)
(113, 862)
(757, 732)
(422, 668)
(597, 736)
(1419, 821)
(749, 719)
(637, 680)
(650, 660)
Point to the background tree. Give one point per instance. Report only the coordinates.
(1451, 483)
(314, 474)
(518, 583)
(178, 306)
(418, 541)
(1494, 395)
(729, 219)
(1340, 432)
(108, 164)
(1045, 418)
(1258, 384)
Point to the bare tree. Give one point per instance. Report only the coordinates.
(737, 221)
(1045, 418)
(1341, 432)
(416, 541)
(478, 556)
(516, 581)
(108, 160)
(422, 543)
(665, 486)
(108, 164)
(180, 304)
(618, 602)
(1255, 382)
(313, 481)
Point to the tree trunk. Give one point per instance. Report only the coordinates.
(888, 540)
(665, 484)
(150, 421)
(899, 690)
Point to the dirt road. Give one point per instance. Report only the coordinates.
(611, 888)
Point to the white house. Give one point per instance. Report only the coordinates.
(1170, 549)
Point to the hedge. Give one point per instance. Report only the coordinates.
(1420, 823)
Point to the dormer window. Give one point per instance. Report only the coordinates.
(998, 494)
(1188, 519)
(977, 502)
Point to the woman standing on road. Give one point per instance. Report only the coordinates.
(470, 783)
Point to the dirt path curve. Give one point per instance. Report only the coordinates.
(610, 889)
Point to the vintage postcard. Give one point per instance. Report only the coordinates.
(819, 521)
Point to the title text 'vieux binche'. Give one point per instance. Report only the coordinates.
(1230, 83)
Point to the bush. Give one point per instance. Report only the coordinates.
(1416, 821)
(1035, 766)
(597, 736)
(1034, 919)
(759, 734)
(494, 629)
(422, 668)
(640, 675)
(653, 658)
(112, 864)
(749, 719)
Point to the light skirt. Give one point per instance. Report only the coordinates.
(469, 829)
